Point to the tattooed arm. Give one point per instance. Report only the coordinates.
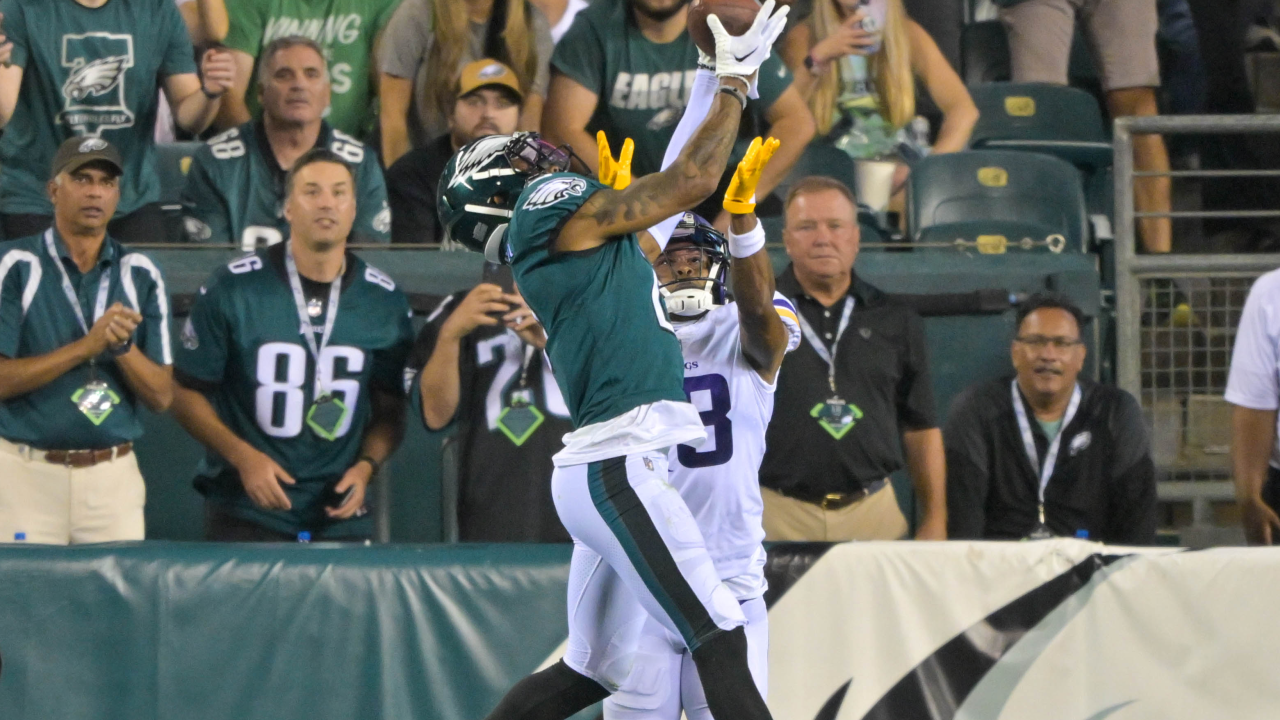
(610, 214)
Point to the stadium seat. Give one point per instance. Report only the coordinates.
(1039, 117)
(820, 158)
(992, 193)
(984, 55)
(173, 161)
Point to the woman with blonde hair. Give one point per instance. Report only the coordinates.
(425, 46)
(856, 63)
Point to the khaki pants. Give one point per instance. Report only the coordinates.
(57, 505)
(875, 517)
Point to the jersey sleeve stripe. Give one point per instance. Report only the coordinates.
(127, 264)
(13, 257)
(787, 312)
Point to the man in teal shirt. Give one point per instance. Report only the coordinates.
(84, 335)
(90, 68)
(235, 188)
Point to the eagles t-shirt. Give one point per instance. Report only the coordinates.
(643, 86)
(93, 72)
(346, 29)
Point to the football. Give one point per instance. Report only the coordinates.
(735, 15)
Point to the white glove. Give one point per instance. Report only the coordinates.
(743, 55)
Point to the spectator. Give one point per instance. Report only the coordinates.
(88, 68)
(346, 29)
(844, 404)
(1254, 389)
(207, 21)
(295, 429)
(488, 103)
(627, 67)
(1082, 468)
(1122, 34)
(560, 14)
(84, 335)
(235, 187)
(480, 361)
(426, 48)
(860, 81)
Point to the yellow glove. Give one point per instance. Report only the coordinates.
(740, 198)
(615, 174)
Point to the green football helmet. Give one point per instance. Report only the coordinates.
(481, 183)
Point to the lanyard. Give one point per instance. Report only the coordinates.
(529, 350)
(1029, 441)
(828, 356)
(104, 286)
(300, 302)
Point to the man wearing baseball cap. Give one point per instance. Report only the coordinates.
(488, 103)
(84, 336)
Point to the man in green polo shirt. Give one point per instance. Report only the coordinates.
(91, 68)
(235, 188)
(626, 68)
(84, 336)
(346, 29)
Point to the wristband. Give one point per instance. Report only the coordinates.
(211, 96)
(372, 463)
(740, 96)
(748, 243)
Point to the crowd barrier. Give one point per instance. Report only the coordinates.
(1053, 630)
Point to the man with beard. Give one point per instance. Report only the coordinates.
(1046, 452)
(626, 68)
(489, 103)
(235, 189)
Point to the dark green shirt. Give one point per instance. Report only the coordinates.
(36, 318)
(608, 337)
(235, 189)
(242, 348)
(88, 71)
(643, 86)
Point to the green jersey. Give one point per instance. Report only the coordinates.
(643, 86)
(242, 348)
(87, 71)
(37, 318)
(235, 189)
(608, 336)
(346, 29)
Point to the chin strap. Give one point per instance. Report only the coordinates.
(690, 301)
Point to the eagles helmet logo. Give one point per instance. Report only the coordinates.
(94, 78)
(93, 145)
(553, 191)
(473, 157)
(97, 66)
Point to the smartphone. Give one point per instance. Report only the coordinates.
(334, 499)
(499, 275)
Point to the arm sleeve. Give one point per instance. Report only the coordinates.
(203, 204)
(1132, 512)
(179, 55)
(580, 55)
(373, 223)
(916, 410)
(202, 354)
(544, 46)
(412, 203)
(1252, 382)
(405, 42)
(15, 28)
(703, 94)
(11, 289)
(968, 470)
(245, 31)
(389, 362)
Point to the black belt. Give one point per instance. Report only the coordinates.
(835, 501)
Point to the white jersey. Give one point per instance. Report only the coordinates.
(719, 480)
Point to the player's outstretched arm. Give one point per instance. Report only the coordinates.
(764, 337)
(696, 171)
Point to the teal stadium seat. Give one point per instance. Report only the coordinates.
(1039, 117)
(968, 195)
(984, 57)
(173, 161)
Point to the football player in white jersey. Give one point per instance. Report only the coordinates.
(732, 352)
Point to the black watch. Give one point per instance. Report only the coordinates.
(211, 96)
(372, 463)
(122, 348)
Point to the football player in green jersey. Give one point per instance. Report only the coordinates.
(235, 188)
(90, 68)
(574, 247)
(291, 373)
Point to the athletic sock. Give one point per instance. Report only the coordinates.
(552, 694)
(726, 678)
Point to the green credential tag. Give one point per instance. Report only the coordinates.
(326, 415)
(519, 421)
(96, 401)
(836, 416)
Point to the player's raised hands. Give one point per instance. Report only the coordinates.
(261, 477)
(742, 56)
(482, 306)
(740, 198)
(217, 71)
(615, 173)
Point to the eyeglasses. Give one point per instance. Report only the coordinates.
(1040, 342)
